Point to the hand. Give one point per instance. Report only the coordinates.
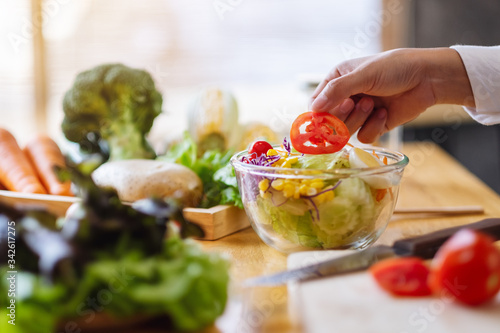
(380, 92)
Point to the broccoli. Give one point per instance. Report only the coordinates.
(115, 104)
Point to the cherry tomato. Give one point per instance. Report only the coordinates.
(318, 133)
(467, 268)
(258, 148)
(406, 276)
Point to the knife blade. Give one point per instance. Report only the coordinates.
(424, 246)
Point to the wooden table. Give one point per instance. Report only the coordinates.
(432, 179)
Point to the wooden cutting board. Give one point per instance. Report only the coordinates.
(216, 222)
(354, 303)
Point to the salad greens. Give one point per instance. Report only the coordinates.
(312, 212)
(323, 161)
(213, 168)
(332, 223)
(109, 258)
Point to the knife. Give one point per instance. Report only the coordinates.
(424, 246)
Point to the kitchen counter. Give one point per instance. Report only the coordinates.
(432, 179)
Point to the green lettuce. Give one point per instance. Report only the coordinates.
(122, 260)
(213, 168)
(296, 228)
(183, 283)
(323, 161)
(352, 210)
(341, 220)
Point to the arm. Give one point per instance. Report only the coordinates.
(380, 92)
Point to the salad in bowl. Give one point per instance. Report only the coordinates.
(299, 201)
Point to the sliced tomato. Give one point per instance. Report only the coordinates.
(259, 148)
(318, 133)
(467, 268)
(405, 276)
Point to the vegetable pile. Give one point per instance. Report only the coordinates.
(214, 125)
(31, 170)
(466, 269)
(109, 112)
(110, 109)
(217, 175)
(129, 260)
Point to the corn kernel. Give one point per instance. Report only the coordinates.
(265, 195)
(264, 184)
(286, 164)
(311, 191)
(288, 190)
(271, 152)
(289, 181)
(296, 195)
(293, 159)
(318, 200)
(329, 195)
(317, 184)
(306, 181)
(278, 184)
(303, 189)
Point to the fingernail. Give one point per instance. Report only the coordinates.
(346, 106)
(319, 102)
(366, 105)
(381, 114)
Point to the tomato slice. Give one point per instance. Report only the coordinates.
(467, 268)
(318, 133)
(405, 276)
(259, 148)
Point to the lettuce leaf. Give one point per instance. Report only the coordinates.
(213, 168)
(183, 283)
(323, 161)
(351, 213)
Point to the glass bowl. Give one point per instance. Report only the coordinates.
(310, 209)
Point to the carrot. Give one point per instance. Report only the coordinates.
(44, 154)
(380, 194)
(16, 172)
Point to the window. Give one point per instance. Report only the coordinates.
(259, 49)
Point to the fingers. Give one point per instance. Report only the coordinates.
(374, 126)
(337, 90)
(334, 73)
(359, 115)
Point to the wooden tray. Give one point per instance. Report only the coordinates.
(216, 222)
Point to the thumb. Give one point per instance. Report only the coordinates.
(339, 89)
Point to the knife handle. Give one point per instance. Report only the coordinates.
(426, 246)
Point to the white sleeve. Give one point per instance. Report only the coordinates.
(482, 64)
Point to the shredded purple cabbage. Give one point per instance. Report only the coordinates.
(286, 145)
(262, 160)
(324, 191)
(309, 197)
(315, 208)
(266, 161)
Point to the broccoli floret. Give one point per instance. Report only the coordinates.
(116, 104)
